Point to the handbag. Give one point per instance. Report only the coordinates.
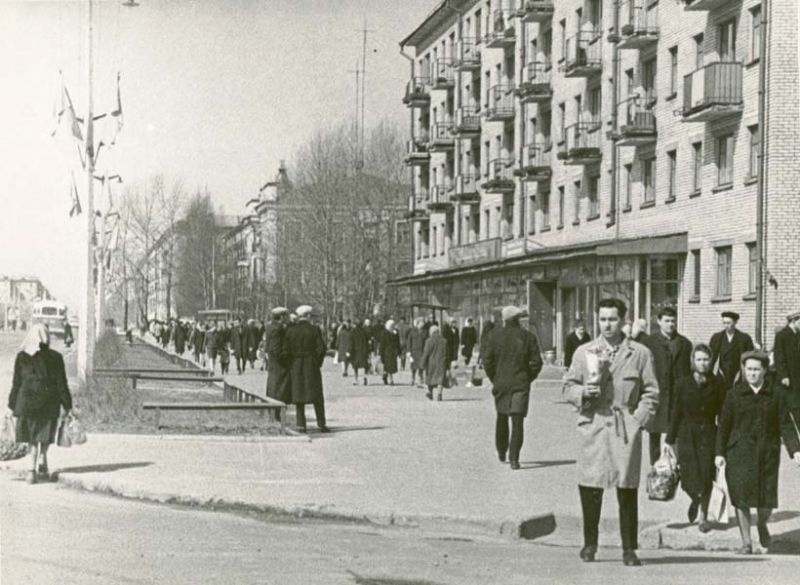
(477, 376)
(76, 432)
(663, 478)
(9, 448)
(63, 439)
(719, 503)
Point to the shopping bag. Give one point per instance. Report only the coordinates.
(719, 503)
(9, 448)
(477, 376)
(76, 432)
(377, 366)
(62, 438)
(663, 478)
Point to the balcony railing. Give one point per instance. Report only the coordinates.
(440, 197)
(468, 55)
(536, 10)
(712, 92)
(501, 103)
(501, 176)
(639, 24)
(584, 54)
(417, 152)
(442, 74)
(637, 122)
(536, 162)
(704, 4)
(418, 92)
(536, 87)
(502, 33)
(581, 144)
(466, 188)
(442, 137)
(468, 122)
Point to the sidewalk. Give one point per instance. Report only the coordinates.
(396, 458)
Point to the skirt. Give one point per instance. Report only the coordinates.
(33, 429)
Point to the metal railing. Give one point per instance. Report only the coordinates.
(442, 72)
(501, 100)
(418, 87)
(466, 184)
(539, 72)
(468, 53)
(467, 120)
(635, 115)
(442, 132)
(441, 193)
(536, 155)
(416, 148)
(581, 136)
(584, 50)
(638, 17)
(716, 84)
(500, 169)
(502, 29)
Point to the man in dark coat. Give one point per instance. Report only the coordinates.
(278, 380)
(787, 363)
(578, 337)
(672, 358)
(512, 362)
(727, 346)
(402, 329)
(469, 337)
(486, 332)
(359, 350)
(180, 338)
(306, 349)
(415, 346)
(237, 345)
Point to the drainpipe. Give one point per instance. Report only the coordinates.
(523, 127)
(612, 213)
(457, 150)
(761, 199)
(413, 202)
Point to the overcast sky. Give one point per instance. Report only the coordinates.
(214, 92)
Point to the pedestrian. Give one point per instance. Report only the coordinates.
(166, 333)
(358, 352)
(38, 392)
(415, 346)
(434, 362)
(68, 339)
(390, 352)
(224, 355)
(786, 350)
(370, 344)
(237, 345)
(278, 381)
(727, 347)
(451, 335)
(486, 332)
(197, 341)
(403, 329)
(469, 337)
(343, 347)
(754, 418)
(578, 337)
(180, 338)
(262, 351)
(251, 339)
(672, 359)
(306, 349)
(512, 363)
(613, 385)
(639, 331)
(210, 345)
(698, 403)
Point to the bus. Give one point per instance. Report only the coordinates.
(51, 313)
(216, 316)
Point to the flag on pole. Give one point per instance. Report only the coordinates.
(64, 112)
(76, 202)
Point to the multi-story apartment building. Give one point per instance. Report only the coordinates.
(17, 295)
(563, 152)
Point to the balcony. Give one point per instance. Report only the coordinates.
(466, 189)
(502, 34)
(540, 11)
(440, 198)
(712, 92)
(442, 138)
(468, 55)
(581, 145)
(442, 74)
(536, 88)
(535, 164)
(639, 26)
(418, 205)
(468, 122)
(501, 176)
(637, 122)
(417, 151)
(583, 54)
(418, 92)
(704, 4)
(501, 103)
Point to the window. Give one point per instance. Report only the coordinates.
(724, 254)
(562, 28)
(545, 128)
(699, 51)
(696, 270)
(626, 186)
(630, 83)
(649, 80)
(562, 121)
(673, 71)
(443, 235)
(725, 160)
(592, 196)
(727, 41)
(486, 223)
(755, 139)
(478, 21)
(508, 219)
(544, 205)
(755, 36)
(752, 268)
(487, 154)
(672, 161)
(595, 104)
(435, 240)
(547, 47)
(498, 227)
(595, 9)
(697, 167)
(532, 214)
(577, 202)
(649, 180)
(561, 207)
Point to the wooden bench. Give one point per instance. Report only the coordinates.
(127, 371)
(260, 406)
(177, 376)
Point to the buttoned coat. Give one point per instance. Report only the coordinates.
(611, 424)
(787, 363)
(306, 350)
(434, 360)
(415, 345)
(512, 362)
(729, 353)
(390, 350)
(670, 367)
(359, 347)
(278, 380)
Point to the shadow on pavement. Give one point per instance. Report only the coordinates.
(103, 467)
(689, 560)
(782, 515)
(335, 430)
(542, 464)
(786, 543)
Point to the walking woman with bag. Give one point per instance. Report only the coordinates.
(694, 425)
(38, 392)
(754, 419)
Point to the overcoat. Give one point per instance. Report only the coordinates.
(278, 380)
(359, 347)
(610, 425)
(237, 341)
(787, 364)
(749, 437)
(252, 334)
(198, 336)
(403, 328)
(210, 342)
(416, 346)
(39, 387)
(694, 426)
(390, 350)
(469, 337)
(729, 353)
(512, 362)
(180, 339)
(306, 350)
(434, 360)
(672, 360)
(573, 342)
(451, 335)
(343, 344)
(488, 327)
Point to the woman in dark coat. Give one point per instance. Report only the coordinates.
(697, 404)
(278, 380)
(38, 392)
(434, 362)
(359, 351)
(753, 421)
(390, 352)
(415, 345)
(343, 348)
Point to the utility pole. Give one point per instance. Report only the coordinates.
(356, 133)
(364, 32)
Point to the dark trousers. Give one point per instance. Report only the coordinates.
(501, 435)
(467, 355)
(239, 363)
(655, 447)
(592, 505)
(319, 412)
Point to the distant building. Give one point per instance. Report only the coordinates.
(17, 295)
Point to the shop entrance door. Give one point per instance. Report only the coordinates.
(541, 308)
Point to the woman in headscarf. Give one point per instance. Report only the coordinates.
(434, 362)
(38, 392)
(390, 351)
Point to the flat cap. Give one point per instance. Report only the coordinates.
(761, 356)
(730, 315)
(303, 310)
(512, 312)
(280, 311)
(793, 316)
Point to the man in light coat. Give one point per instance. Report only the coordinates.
(613, 385)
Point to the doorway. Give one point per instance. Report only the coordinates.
(541, 310)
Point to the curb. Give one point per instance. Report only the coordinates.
(292, 437)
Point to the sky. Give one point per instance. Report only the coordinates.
(214, 93)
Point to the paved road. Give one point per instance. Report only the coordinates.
(49, 534)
